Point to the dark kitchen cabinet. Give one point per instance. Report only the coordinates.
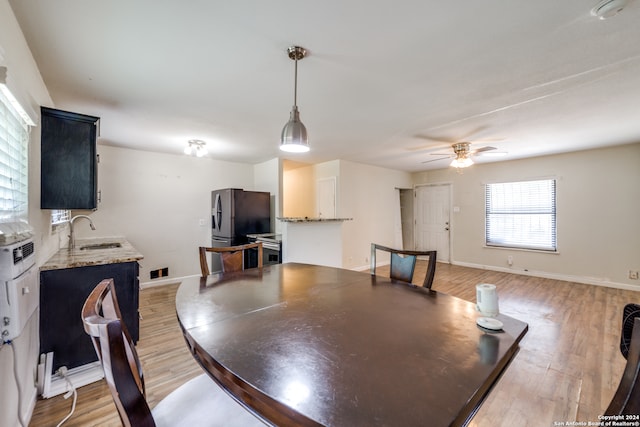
(69, 170)
(62, 295)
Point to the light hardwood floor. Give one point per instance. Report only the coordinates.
(567, 369)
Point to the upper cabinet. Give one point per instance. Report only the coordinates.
(69, 169)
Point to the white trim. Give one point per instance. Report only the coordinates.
(162, 282)
(597, 281)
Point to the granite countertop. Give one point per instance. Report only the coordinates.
(308, 219)
(79, 257)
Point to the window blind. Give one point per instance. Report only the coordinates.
(59, 216)
(522, 215)
(14, 140)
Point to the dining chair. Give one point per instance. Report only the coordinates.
(629, 313)
(626, 400)
(403, 263)
(198, 402)
(232, 257)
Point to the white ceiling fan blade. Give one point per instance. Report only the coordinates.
(482, 149)
(437, 160)
(493, 153)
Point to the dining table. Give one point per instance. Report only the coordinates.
(310, 345)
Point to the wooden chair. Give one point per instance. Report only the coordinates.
(403, 264)
(232, 257)
(629, 313)
(626, 400)
(199, 402)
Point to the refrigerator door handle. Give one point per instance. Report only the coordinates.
(217, 239)
(217, 214)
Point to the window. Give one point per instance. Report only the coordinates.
(522, 215)
(14, 142)
(60, 216)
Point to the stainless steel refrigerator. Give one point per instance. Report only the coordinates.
(234, 214)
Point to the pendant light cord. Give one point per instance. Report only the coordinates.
(295, 84)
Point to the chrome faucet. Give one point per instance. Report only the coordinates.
(72, 239)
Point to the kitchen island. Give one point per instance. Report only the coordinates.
(312, 240)
(66, 280)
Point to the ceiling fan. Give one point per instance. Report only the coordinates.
(462, 153)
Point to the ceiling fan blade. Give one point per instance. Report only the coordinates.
(436, 138)
(482, 149)
(493, 153)
(443, 154)
(437, 160)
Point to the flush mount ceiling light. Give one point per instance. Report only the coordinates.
(196, 147)
(294, 134)
(608, 8)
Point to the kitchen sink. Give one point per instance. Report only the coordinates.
(106, 245)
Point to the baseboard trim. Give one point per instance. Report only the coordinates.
(167, 281)
(546, 275)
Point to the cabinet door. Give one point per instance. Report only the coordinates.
(68, 160)
(62, 295)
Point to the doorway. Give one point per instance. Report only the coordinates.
(406, 218)
(433, 220)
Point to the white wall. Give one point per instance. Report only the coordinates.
(268, 177)
(368, 195)
(598, 215)
(26, 83)
(162, 204)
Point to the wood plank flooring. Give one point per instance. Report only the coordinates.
(567, 369)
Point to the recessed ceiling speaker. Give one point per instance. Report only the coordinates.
(608, 8)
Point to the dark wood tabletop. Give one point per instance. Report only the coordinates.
(311, 345)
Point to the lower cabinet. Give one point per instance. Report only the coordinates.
(62, 295)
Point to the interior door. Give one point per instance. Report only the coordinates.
(326, 192)
(433, 222)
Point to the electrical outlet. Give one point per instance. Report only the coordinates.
(633, 275)
(510, 260)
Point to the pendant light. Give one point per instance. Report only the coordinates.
(294, 134)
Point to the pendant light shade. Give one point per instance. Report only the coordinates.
(294, 135)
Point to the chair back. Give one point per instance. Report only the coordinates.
(629, 314)
(626, 400)
(117, 353)
(403, 263)
(232, 257)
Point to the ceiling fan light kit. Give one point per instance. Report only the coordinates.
(294, 134)
(463, 158)
(461, 162)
